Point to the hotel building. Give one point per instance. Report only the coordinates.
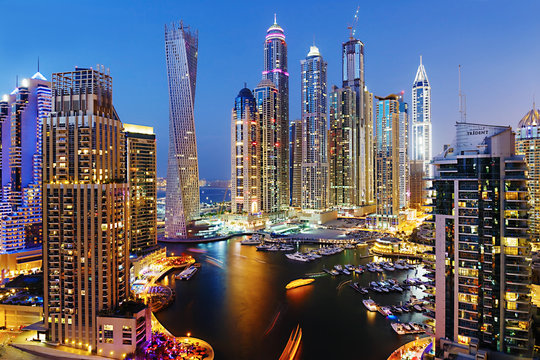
(85, 256)
(481, 273)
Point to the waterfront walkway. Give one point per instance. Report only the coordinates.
(411, 350)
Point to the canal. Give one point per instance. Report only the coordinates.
(238, 303)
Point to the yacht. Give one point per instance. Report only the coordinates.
(385, 310)
(346, 272)
(338, 267)
(297, 256)
(263, 247)
(370, 304)
(334, 272)
(359, 270)
(251, 241)
(186, 274)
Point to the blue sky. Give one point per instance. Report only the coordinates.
(497, 43)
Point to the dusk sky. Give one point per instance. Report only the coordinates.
(497, 43)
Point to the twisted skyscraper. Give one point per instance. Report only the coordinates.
(275, 69)
(182, 199)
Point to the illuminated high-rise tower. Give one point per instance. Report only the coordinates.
(362, 124)
(85, 261)
(421, 120)
(314, 132)
(267, 98)
(275, 69)
(342, 150)
(182, 199)
(528, 145)
(295, 162)
(245, 155)
(22, 114)
(140, 164)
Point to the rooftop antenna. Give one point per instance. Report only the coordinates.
(275, 19)
(16, 81)
(38, 64)
(245, 84)
(462, 101)
(534, 103)
(352, 27)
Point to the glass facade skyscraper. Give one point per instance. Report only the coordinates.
(182, 195)
(140, 163)
(342, 150)
(314, 132)
(22, 114)
(387, 161)
(267, 98)
(421, 143)
(528, 145)
(245, 155)
(275, 70)
(295, 162)
(362, 124)
(480, 276)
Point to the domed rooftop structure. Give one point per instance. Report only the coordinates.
(313, 51)
(532, 118)
(245, 93)
(275, 31)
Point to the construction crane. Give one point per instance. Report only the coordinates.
(352, 27)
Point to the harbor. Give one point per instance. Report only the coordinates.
(235, 276)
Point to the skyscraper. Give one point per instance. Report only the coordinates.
(182, 199)
(275, 70)
(22, 114)
(421, 119)
(245, 155)
(295, 161)
(342, 148)
(404, 173)
(314, 132)
(387, 161)
(140, 164)
(482, 269)
(528, 145)
(353, 77)
(267, 98)
(85, 259)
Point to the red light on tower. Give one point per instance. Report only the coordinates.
(276, 144)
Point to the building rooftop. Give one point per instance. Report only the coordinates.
(532, 118)
(313, 51)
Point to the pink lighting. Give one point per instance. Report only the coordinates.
(275, 70)
(275, 36)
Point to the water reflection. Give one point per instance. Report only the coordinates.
(237, 302)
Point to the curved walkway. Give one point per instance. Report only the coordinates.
(411, 350)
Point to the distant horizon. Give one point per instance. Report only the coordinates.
(493, 40)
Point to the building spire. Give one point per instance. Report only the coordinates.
(420, 59)
(534, 103)
(275, 19)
